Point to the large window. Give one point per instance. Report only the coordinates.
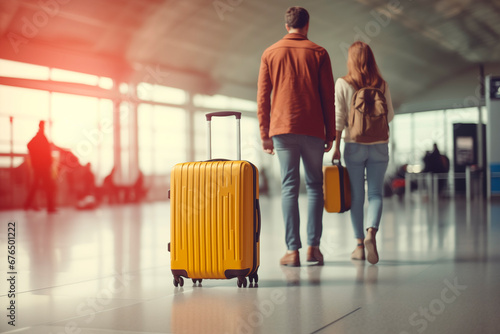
(73, 122)
(14, 69)
(103, 135)
(26, 107)
(162, 138)
(224, 138)
(150, 137)
(414, 134)
(158, 93)
(223, 102)
(402, 134)
(428, 128)
(224, 129)
(73, 119)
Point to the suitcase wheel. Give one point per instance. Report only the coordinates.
(196, 280)
(242, 281)
(178, 280)
(254, 278)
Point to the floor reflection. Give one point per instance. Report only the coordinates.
(67, 259)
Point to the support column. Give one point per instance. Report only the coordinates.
(50, 120)
(117, 154)
(190, 133)
(492, 97)
(392, 164)
(133, 135)
(11, 143)
(412, 136)
(480, 134)
(445, 133)
(11, 170)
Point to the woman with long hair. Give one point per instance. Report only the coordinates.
(361, 157)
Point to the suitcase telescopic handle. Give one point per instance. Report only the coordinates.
(209, 116)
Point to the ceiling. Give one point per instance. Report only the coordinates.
(429, 51)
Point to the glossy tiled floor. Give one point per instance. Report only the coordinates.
(107, 271)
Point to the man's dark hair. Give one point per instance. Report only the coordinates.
(296, 17)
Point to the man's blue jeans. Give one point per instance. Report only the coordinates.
(374, 159)
(290, 149)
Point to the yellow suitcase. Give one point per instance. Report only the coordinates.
(215, 219)
(336, 188)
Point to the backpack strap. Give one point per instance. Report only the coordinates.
(356, 88)
(383, 87)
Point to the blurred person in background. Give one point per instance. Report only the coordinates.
(40, 154)
(88, 180)
(110, 189)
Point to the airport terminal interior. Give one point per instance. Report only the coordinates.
(120, 88)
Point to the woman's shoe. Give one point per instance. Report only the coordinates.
(358, 253)
(371, 246)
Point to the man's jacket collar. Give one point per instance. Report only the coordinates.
(294, 36)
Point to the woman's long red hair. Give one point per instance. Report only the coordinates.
(362, 68)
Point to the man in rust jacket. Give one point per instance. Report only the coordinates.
(296, 113)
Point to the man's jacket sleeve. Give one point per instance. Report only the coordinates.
(264, 88)
(327, 93)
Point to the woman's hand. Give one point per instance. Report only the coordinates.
(336, 154)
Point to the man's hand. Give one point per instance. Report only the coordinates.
(328, 146)
(268, 146)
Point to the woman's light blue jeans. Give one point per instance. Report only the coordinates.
(374, 159)
(290, 148)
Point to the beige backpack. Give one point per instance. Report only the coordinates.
(368, 116)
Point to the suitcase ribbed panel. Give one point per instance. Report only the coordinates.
(210, 234)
